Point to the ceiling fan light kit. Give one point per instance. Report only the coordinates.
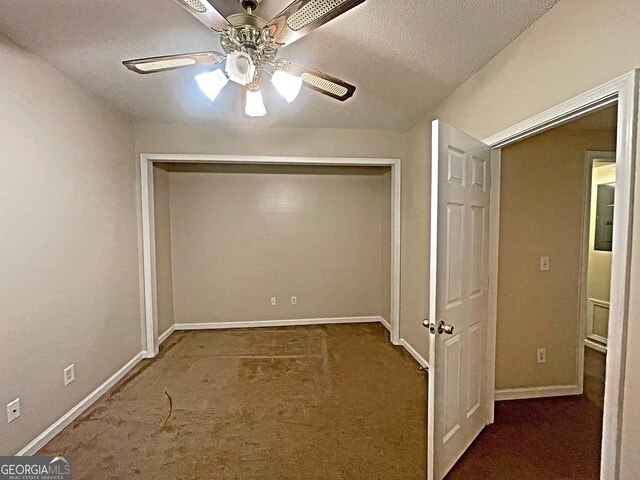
(251, 46)
(254, 106)
(212, 83)
(240, 68)
(286, 84)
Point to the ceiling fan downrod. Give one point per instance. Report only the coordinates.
(250, 5)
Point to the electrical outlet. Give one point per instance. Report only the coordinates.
(13, 410)
(542, 355)
(69, 374)
(274, 301)
(294, 300)
(544, 264)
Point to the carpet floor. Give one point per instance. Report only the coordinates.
(319, 402)
(539, 439)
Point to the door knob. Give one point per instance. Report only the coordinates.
(427, 324)
(445, 328)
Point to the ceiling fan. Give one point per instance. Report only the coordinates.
(251, 46)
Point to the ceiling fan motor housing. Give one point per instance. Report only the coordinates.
(249, 35)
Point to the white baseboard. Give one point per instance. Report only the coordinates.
(384, 323)
(537, 392)
(414, 353)
(46, 436)
(274, 323)
(166, 334)
(287, 323)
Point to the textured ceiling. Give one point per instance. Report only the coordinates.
(404, 56)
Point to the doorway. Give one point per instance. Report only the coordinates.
(545, 244)
(597, 255)
(622, 91)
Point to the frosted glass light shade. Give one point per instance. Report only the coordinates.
(240, 68)
(255, 106)
(211, 83)
(287, 85)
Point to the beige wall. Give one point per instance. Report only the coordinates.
(207, 139)
(577, 45)
(416, 218)
(69, 283)
(385, 246)
(164, 274)
(204, 139)
(242, 234)
(543, 186)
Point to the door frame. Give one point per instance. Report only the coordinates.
(590, 157)
(623, 91)
(147, 225)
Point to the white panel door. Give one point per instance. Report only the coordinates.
(458, 408)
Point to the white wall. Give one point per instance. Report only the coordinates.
(69, 278)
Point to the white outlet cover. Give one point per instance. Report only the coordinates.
(13, 410)
(541, 355)
(69, 374)
(274, 301)
(294, 300)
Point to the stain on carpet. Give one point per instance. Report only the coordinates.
(317, 402)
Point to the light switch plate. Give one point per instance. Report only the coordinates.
(544, 264)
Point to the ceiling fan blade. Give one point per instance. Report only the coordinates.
(206, 13)
(174, 62)
(319, 81)
(304, 16)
